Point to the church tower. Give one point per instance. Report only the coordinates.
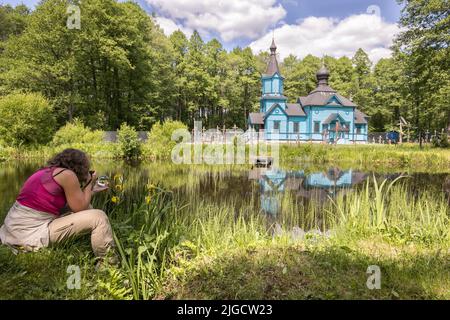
(272, 83)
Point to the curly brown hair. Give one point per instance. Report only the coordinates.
(72, 159)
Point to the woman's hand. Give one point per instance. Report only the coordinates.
(98, 188)
(93, 176)
(89, 181)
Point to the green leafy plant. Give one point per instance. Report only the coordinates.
(129, 146)
(440, 141)
(160, 143)
(444, 140)
(76, 132)
(26, 119)
(116, 285)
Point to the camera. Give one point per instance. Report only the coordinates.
(103, 181)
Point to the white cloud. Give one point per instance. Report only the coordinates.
(231, 19)
(169, 26)
(328, 36)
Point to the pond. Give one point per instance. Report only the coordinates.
(268, 191)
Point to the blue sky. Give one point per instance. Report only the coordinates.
(319, 27)
(390, 10)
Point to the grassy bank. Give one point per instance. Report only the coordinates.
(371, 157)
(327, 270)
(172, 249)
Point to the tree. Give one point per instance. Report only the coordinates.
(424, 46)
(12, 20)
(301, 77)
(198, 81)
(292, 84)
(363, 84)
(115, 68)
(179, 44)
(243, 87)
(389, 99)
(362, 64)
(341, 75)
(214, 55)
(120, 67)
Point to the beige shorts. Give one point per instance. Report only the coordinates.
(31, 230)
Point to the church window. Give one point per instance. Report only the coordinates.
(316, 126)
(276, 125)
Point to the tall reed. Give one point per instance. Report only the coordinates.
(154, 226)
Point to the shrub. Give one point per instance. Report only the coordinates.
(435, 141)
(444, 140)
(440, 141)
(128, 141)
(26, 118)
(76, 132)
(3, 153)
(160, 143)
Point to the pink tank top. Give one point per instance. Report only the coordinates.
(41, 192)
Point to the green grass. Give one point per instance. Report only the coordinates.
(104, 150)
(173, 249)
(43, 274)
(333, 269)
(371, 156)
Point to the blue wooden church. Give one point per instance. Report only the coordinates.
(322, 116)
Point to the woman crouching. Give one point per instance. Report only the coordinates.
(35, 220)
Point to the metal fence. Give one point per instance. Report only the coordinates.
(224, 135)
(382, 137)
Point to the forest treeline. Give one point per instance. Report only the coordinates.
(120, 67)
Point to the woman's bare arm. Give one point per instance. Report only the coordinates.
(77, 199)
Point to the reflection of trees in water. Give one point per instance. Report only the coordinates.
(446, 187)
(12, 176)
(296, 198)
(271, 191)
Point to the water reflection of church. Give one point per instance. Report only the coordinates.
(318, 185)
